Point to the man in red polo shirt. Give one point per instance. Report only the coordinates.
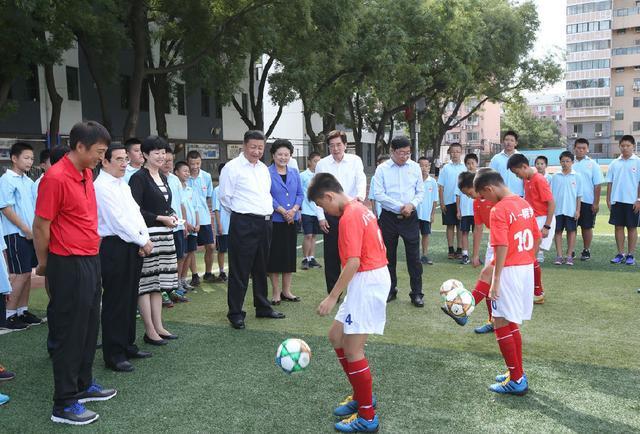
(67, 245)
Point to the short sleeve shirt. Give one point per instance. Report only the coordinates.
(372, 195)
(499, 164)
(466, 204)
(359, 237)
(566, 190)
(591, 175)
(176, 191)
(482, 212)
(538, 193)
(16, 191)
(514, 225)
(202, 189)
(225, 217)
(448, 179)
(68, 200)
(425, 208)
(308, 208)
(624, 176)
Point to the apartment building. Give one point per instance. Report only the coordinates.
(552, 106)
(603, 72)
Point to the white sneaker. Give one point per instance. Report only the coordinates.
(185, 285)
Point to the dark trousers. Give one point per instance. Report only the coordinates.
(73, 316)
(392, 228)
(121, 266)
(3, 311)
(332, 266)
(249, 242)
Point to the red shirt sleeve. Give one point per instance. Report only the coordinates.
(477, 217)
(351, 234)
(544, 189)
(49, 198)
(499, 227)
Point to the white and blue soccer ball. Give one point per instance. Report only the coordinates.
(459, 302)
(293, 355)
(449, 285)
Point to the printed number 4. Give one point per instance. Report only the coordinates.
(348, 319)
(525, 240)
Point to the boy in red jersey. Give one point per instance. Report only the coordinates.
(515, 237)
(537, 192)
(363, 311)
(481, 210)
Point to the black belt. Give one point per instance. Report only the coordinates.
(254, 216)
(399, 216)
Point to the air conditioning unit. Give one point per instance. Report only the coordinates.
(636, 88)
(574, 135)
(599, 134)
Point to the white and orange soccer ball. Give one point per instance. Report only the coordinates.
(449, 285)
(459, 302)
(293, 355)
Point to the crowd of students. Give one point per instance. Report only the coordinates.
(121, 239)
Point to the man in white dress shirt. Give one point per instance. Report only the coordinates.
(348, 170)
(245, 191)
(125, 239)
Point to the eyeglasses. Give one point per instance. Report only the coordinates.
(402, 153)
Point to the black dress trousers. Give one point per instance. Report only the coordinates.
(249, 243)
(332, 265)
(121, 266)
(392, 228)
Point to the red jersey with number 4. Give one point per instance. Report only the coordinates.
(538, 193)
(482, 212)
(359, 237)
(513, 224)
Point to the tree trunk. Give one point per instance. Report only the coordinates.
(356, 121)
(138, 29)
(56, 101)
(316, 142)
(98, 80)
(159, 86)
(5, 87)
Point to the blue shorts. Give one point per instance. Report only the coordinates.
(205, 236)
(466, 223)
(425, 227)
(192, 243)
(565, 222)
(222, 243)
(310, 225)
(21, 254)
(178, 239)
(622, 215)
(451, 217)
(587, 218)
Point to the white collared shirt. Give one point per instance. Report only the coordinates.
(245, 188)
(349, 172)
(118, 213)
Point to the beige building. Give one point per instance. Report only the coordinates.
(603, 72)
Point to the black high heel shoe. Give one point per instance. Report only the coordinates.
(168, 337)
(150, 341)
(294, 298)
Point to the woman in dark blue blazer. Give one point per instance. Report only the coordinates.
(286, 191)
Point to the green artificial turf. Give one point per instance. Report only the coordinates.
(580, 353)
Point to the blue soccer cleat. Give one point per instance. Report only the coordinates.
(349, 407)
(4, 399)
(459, 320)
(358, 424)
(486, 328)
(510, 387)
(503, 377)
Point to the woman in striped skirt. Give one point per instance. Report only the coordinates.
(150, 189)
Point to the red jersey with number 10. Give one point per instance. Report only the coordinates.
(513, 224)
(359, 237)
(482, 212)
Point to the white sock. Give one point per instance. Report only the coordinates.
(465, 252)
(22, 310)
(11, 313)
(311, 257)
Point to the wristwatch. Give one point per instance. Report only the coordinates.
(546, 227)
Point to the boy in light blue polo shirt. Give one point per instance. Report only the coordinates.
(192, 224)
(377, 208)
(566, 187)
(223, 219)
(465, 209)
(448, 183)
(541, 167)
(426, 209)
(18, 211)
(499, 163)
(622, 199)
(310, 224)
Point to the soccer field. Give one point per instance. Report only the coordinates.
(580, 353)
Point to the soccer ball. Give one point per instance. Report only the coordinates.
(293, 355)
(449, 285)
(459, 302)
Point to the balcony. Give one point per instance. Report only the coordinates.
(626, 18)
(588, 112)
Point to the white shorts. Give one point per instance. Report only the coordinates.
(515, 300)
(545, 243)
(364, 309)
(488, 256)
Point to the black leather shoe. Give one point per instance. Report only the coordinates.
(124, 366)
(417, 301)
(237, 324)
(273, 314)
(150, 341)
(392, 296)
(168, 337)
(139, 355)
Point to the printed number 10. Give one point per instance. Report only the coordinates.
(524, 239)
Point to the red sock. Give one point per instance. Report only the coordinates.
(481, 291)
(360, 377)
(489, 308)
(517, 339)
(507, 345)
(537, 279)
(342, 359)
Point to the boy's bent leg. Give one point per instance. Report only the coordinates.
(359, 374)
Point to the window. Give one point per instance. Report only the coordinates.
(472, 120)
(587, 84)
(592, 26)
(619, 70)
(473, 136)
(124, 91)
(619, 90)
(453, 137)
(556, 108)
(625, 51)
(621, 31)
(636, 126)
(588, 102)
(619, 116)
(577, 128)
(73, 84)
(588, 64)
(204, 103)
(636, 84)
(598, 148)
(245, 103)
(636, 102)
(603, 44)
(589, 7)
(598, 127)
(618, 134)
(180, 97)
(540, 109)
